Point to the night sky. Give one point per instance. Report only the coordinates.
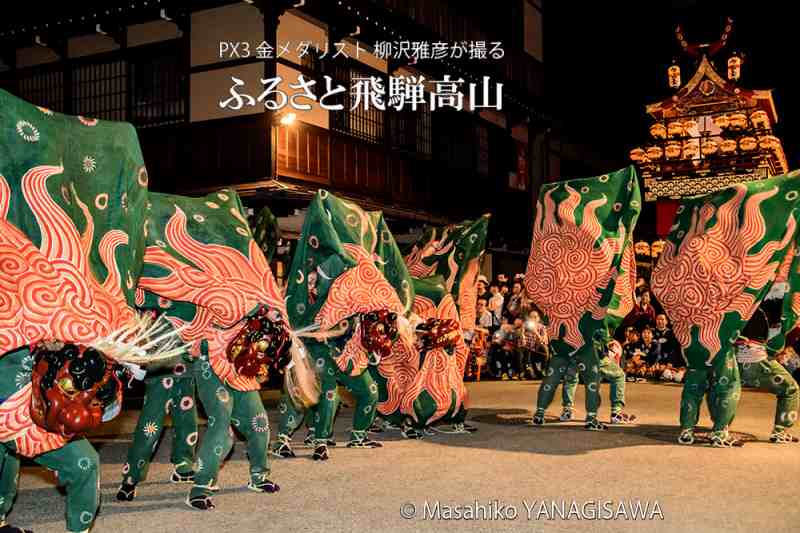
(606, 60)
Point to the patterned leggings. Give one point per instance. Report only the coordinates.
(226, 407)
(588, 365)
(772, 376)
(77, 467)
(164, 395)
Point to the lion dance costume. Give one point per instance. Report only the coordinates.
(580, 271)
(722, 256)
(72, 197)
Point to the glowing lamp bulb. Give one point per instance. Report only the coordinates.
(288, 119)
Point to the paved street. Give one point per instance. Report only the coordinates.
(753, 488)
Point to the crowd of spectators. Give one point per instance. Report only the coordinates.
(517, 344)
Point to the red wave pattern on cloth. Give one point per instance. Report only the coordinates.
(50, 292)
(441, 374)
(468, 295)
(625, 283)
(402, 367)
(565, 268)
(358, 290)
(226, 287)
(16, 423)
(706, 277)
(354, 352)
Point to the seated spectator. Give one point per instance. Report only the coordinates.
(501, 353)
(631, 340)
(645, 361)
(672, 364)
(533, 346)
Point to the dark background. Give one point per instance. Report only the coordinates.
(606, 60)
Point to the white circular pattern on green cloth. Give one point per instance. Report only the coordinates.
(218, 451)
(260, 423)
(191, 439)
(223, 395)
(89, 164)
(28, 131)
(101, 201)
(367, 409)
(212, 205)
(84, 463)
(86, 517)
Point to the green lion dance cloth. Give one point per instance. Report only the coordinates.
(722, 256)
(579, 273)
(200, 251)
(347, 281)
(445, 264)
(72, 196)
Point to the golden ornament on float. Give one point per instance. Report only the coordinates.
(658, 130)
(638, 155)
(747, 143)
(709, 147)
(674, 76)
(722, 121)
(759, 119)
(654, 153)
(675, 129)
(689, 125)
(673, 150)
(738, 121)
(768, 142)
(734, 67)
(727, 146)
(691, 149)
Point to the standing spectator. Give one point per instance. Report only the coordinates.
(515, 301)
(483, 317)
(643, 314)
(483, 285)
(496, 302)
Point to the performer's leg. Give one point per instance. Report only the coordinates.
(290, 419)
(726, 390)
(553, 376)
(250, 418)
(568, 388)
(76, 465)
(9, 477)
(613, 373)
(772, 376)
(217, 441)
(184, 424)
(157, 402)
(325, 411)
(695, 386)
(589, 370)
(365, 392)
